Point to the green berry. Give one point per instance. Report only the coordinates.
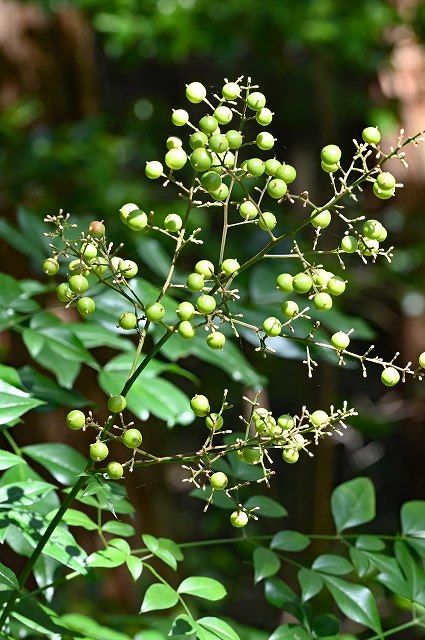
(98, 451)
(318, 418)
(175, 158)
(50, 266)
(264, 116)
(208, 124)
(235, 138)
(64, 292)
(336, 285)
(371, 135)
(286, 172)
(276, 188)
(256, 101)
(256, 167)
(239, 519)
(285, 421)
(216, 340)
(126, 209)
(321, 277)
(78, 284)
(422, 360)
(132, 438)
(186, 330)
(180, 117)
(116, 404)
(267, 221)
(86, 306)
(271, 166)
(368, 247)
(265, 140)
(390, 376)
(214, 421)
(248, 210)
(200, 405)
(79, 267)
(290, 455)
(197, 140)
(211, 181)
(219, 481)
(340, 340)
(88, 250)
(383, 194)
(221, 193)
(200, 159)
(195, 282)
(218, 143)
(349, 244)
(128, 268)
(322, 301)
(173, 142)
(206, 304)
(173, 222)
(137, 220)
(290, 309)
(127, 321)
(223, 114)
(116, 264)
(154, 312)
(322, 219)
(115, 470)
(331, 154)
(154, 169)
(284, 283)
(195, 92)
(272, 326)
(372, 229)
(99, 265)
(75, 419)
(252, 455)
(185, 310)
(385, 181)
(205, 268)
(231, 91)
(97, 229)
(302, 283)
(230, 266)
(329, 168)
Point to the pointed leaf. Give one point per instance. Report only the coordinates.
(75, 518)
(311, 583)
(8, 578)
(206, 588)
(8, 460)
(290, 632)
(330, 563)
(90, 629)
(269, 508)
(290, 541)
(63, 462)
(218, 629)
(353, 503)
(355, 601)
(360, 561)
(183, 628)
(160, 548)
(119, 528)
(15, 402)
(370, 543)
(135, 566)
(266, 563)
(159, 596)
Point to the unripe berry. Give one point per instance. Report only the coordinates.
(206, 304)
(154, 169)
(219, 480)
(128, 268)
(265, 140)
(154, 312)
(319, 417)
(340, 340)
(239, 519)
(385, 180)
(251, 455)
(284, 283)
(422, 360)
(256, 100)
(126, 209)
(137, 220)
(271, 166)
(287, 173)
(205, 268)
(86, 306)
(255, 167)
(116, 404)
(195, 92)
(114, 470)
(132, 438)
(383, 194)
(186, 330)
(216, 340)
(200, 159)
(277, 188)
(208, 124)
(230, 266)
(272, 326)
(197, 140)
(286, 421)
(88, 250)
(185, 310)
(173, 142)
(211, 181)
(267, 221)
(64, 292)
(372, 229)
(97, 229)
(50, 266)
(248, 210)
(336, 286)
(98, 451)
(235, 138)
(264, 116)
(78, 284)
(302, 282)
(223, 114)
(390, 376)
(231, 91)
(221, 193)
(322, 219)
(214, 421)
(371, 135)
(99, 265)
(290, 455)
(127, 321)
(175, 158)
(290, 308)
(195, 282)
(75, 419)
(331, 154)
(349, 244)
(200, 405)
(179, 117)
(322, 301)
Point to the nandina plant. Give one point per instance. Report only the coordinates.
(226, 163)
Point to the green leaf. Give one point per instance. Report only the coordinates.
(325, 625)
(161, 549)
(330, 563)
(201, 587)
(63, 462)
(311, 583)
(290, 632)
(370, 543)
(119, 528)
(360, 561)
(15, 402)
(266, 563)
(8, 578)
(280, 595)
(38, 618)
(353, 503)
(45, 570)
(24, 493)
(415, 577)
(218, 629)
(159, 596)
(11, 376)
(289, 541)
(75, 518)
(183, 628)
(412, 516)
(135, 566)
(8, 460)
(115, 554)
(269, 508)
(92, 335)
(48, 390)
(90, 629)
(355, 601)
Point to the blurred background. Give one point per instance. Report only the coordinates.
(86, 92)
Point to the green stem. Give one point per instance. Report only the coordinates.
(407, 625)
(12, 443)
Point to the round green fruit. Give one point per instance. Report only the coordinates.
(256, 167)
(277, 188)
(349, 244)
(200, 159)
(115, 470)
(197, 140)
(230, 266)
(173, 222)
(88, 250)
(219, 480)
(50, 266)
(78, 284)
(267, 221)
(271, 166)
(248, 210)
(127, 321)
(322, 219)
(287, 173)
(285, 421)
(372, 229)
(331, 154)
(98, 451)
(390, 376)
(252, 455)
(264, 116)
(132, 438)
(216, 340)
(318, 418)
(223, 114)
(231, 91)
(78, 266)
(128, 268)
(302, 283)
(180, 117)
(218, 143)
(211, 181)
(185, 310)
(383, 194)
(175, 158)
(64, 292)
(256, 101)
(116, 404)
(221, 193)
(322, 301)
(422, 360)
(272, 326)
(173, 142)
(206, 304)
(284, 282)
(186, 330)
(235, 138)
(195, 282)
(195, 92)
(265, 140)
(137, 220)
(340, 340)
(154, 312)
(239, 519)
(205, 268)
(290, 308)
(99, 265)
(371, 135)
(154, 169)
(200, 405)
(208, 124)
(368, 247)
(336, 285)
(329, 168)
(385, 181)
(86, 306)
(290, 455)
(214, 421)
(126, 209)
(75, 420)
